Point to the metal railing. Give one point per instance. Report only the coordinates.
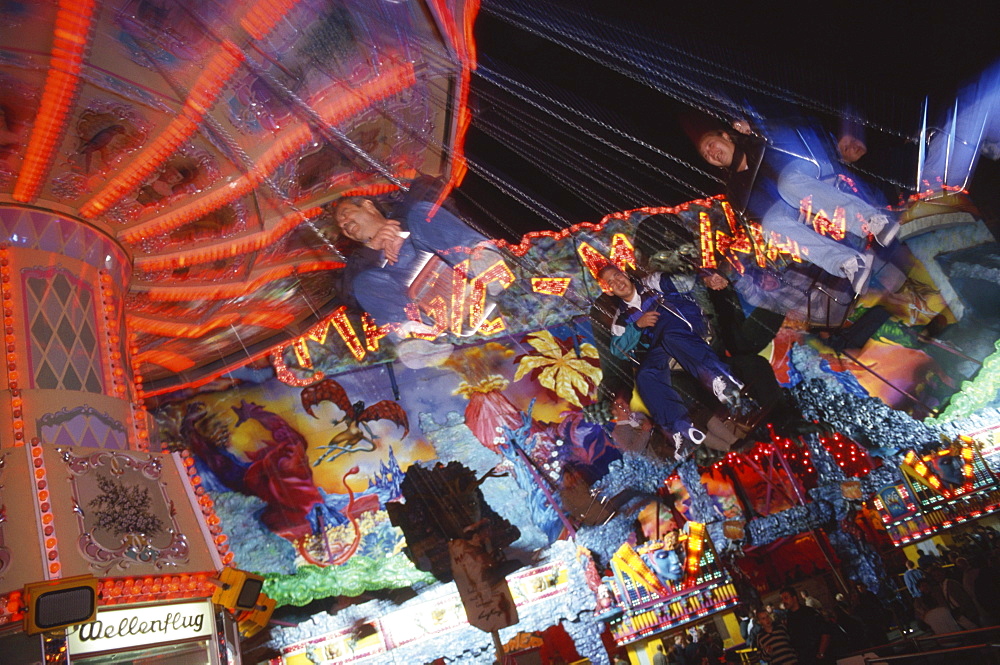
(969, 647)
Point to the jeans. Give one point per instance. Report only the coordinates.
(799, 181)
(816, 248)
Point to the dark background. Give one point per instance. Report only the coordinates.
(879, 59)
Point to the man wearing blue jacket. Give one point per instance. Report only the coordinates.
(654, 324)
(786, 179)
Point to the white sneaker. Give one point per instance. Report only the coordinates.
(883, 227)
(726, 391)
(679, 442)
(681, 439)
(857, 270)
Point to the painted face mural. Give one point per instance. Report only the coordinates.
(666, 563)
(949, 469)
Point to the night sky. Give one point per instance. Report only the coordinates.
(880, 60)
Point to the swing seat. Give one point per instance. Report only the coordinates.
(943, 211)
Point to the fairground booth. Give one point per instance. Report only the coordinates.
(945, 489)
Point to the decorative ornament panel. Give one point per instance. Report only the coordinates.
(124, 513)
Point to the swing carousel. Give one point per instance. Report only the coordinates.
(206, 143)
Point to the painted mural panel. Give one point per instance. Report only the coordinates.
(314, 467)
(302, 457)
(910, 358)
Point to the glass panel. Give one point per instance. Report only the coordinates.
(187, 653)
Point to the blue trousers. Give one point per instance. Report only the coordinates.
(672, 338)
(798, 181)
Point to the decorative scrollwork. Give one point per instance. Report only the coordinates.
(137, 476)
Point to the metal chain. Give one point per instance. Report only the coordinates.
(486, 73)
(777, 91)
(555, 144)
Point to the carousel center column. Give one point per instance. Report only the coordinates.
(67, 379)
(81, 495)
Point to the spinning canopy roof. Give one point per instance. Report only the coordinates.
(207, 139)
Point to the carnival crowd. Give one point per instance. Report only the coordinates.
(946, 590)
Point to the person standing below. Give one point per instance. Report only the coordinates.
(810, 633)
(694, 650)
(774, 641)
(925, 559)
(810, 601)
(678, 648)
(872, 614)
(932, 611)
(955, 597)
(659, 658)
(912, 577)
(850, 625)
(777, 613)
(987, 590)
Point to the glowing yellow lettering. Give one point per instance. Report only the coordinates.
(285, 375)
(707, 242)
(550, 286)
(316, 333)
(622, 255)
(622, 251)
(346, 331)
(373, 332)
(500, 273)
(459, 277)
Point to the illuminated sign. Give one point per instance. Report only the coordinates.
(124, 628)
(664, 584)
(950, 472)
(894, 502)
(441, 613)
(835, 228)
(622, 255)
(750, 238)
(946, 488)
(550, 286)
(446, 294)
